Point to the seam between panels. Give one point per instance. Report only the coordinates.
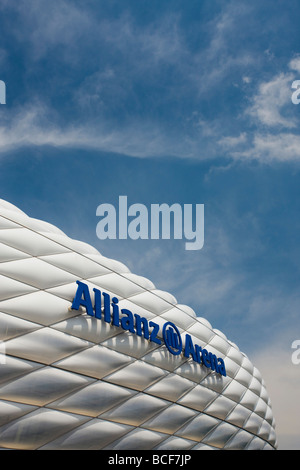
(47, 406)
(133, 360)
(92, 344)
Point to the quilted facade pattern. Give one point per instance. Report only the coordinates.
(71, 381)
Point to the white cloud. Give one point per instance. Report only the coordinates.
(37, 125)
(267, 148)
(272, 97)
(230, 142)
(272, 123)
(247, 79)
(46, 25)
(107, 90)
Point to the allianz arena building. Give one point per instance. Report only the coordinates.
(94, 357)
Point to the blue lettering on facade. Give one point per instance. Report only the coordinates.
(107, 309)
(172, 338)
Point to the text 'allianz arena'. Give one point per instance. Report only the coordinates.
(81, 367)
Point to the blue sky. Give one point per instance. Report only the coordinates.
(169, 101)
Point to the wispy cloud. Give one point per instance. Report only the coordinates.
(270, 101)
(34, 127)
(271, 147)
(147, 89)
(271, 122)
(45, 27)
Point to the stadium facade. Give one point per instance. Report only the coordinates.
(96, 357)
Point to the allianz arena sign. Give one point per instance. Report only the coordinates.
(134, 323)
